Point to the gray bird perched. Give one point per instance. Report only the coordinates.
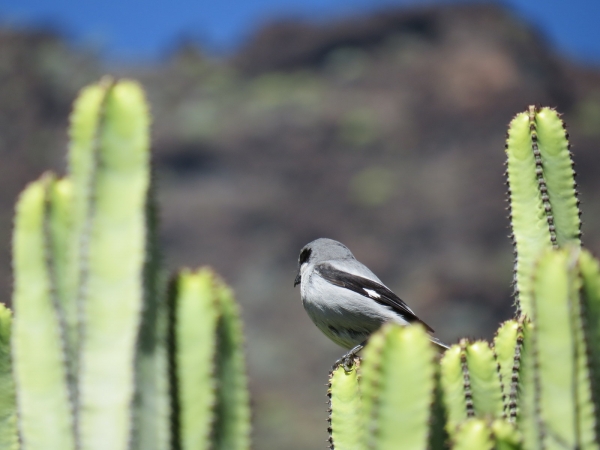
(345, 300)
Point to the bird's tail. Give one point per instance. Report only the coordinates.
(439, 343)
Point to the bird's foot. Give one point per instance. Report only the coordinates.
(347, 361)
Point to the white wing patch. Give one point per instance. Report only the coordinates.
(371, 293)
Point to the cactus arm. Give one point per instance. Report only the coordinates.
(474, 434)
(112, 293)
(505, 344)
(561, 354)
(485, 381)
(554, 343)
(370, 379)
(58, 236)
(585, 418)
(528, 414)
(232, 413)
(453, 386)
(528, 217)
(590, 298)
(45, 419)
(85, 121)
(345, 412)
(193, 327)
(543, 199)
(400, 412)
(9, 439)
(438, 435)
(559, 176)
(151, 426)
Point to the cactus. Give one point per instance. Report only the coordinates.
(345, 408)
(538, 386)
(543, 199)
(477, 434)
(399, 387)
(210, 400)
(471, 383)
(104, 356)
(93, 364)
(507, 354)
(38, 341)
(9, 439)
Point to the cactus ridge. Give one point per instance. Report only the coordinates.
(590, 312)
(539, 172)
(515, 373)
(502, 340)
(49, 182)
(470, 409)
(345, 424)
(174, 402)
(37, 341)
(329, 411)
(504, 397)
(95, 112)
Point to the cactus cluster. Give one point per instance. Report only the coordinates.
(104, 354)
(537, 385)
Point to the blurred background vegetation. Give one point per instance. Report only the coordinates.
(385, 132)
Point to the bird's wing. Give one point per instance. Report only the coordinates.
(369, 289)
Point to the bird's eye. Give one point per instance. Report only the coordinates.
(304, 255)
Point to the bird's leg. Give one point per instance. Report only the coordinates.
(347, 361)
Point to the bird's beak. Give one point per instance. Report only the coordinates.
(298, 279)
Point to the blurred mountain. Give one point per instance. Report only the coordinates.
(384, 132)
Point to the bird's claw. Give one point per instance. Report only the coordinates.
(347, 362)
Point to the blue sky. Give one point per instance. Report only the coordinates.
(146, 29)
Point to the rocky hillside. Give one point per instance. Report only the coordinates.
(384, 132)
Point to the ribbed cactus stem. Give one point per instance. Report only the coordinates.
(112, 295)
(345, 409)
(401, 391)
(562, 379)
(505, 343)
(9, 439)
(231, 429)
(453, 387)
(590, 314)
(193, 327)
(485, 380)
(45, 412)
(543, 200)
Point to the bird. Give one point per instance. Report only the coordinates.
(347, 301)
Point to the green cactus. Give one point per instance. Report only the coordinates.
(477, 434)
(562, 382)
(9, 439)
(38, 341)
(231, 430)
(538, 387)
(345, 408)
(90, 344)
(123, 364)
(543, 200)
(506, 349)
(398, 388)
(470, 383)
(210, 397)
